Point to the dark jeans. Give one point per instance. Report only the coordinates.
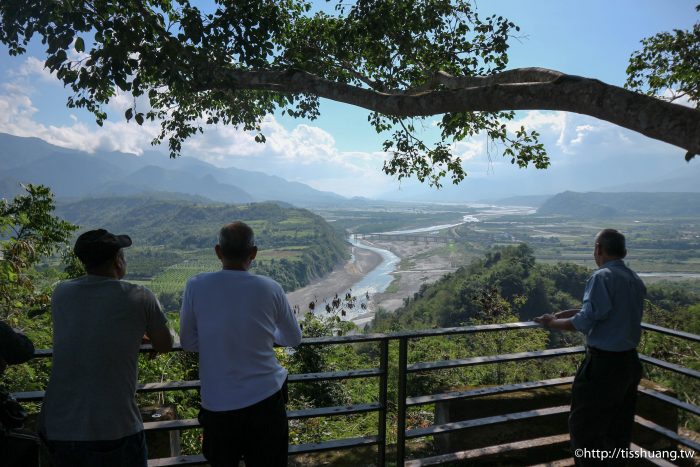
(19, 448)
(128, 451)
(603, 400)
(258, 434)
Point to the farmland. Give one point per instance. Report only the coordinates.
(174, 239)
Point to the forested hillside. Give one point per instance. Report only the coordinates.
(609, 205)
(510, 273)
(176, 237)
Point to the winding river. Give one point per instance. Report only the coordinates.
(379, 278)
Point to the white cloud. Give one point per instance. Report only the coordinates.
(582, 131)
(32, 67)
(17, 117)
(304, 153)
(469, 149)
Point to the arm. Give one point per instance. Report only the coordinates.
(188, 323)
(157, 330)
(288, 332)
(566, 313)
(15, 347)
(161, 339)
(554, 322)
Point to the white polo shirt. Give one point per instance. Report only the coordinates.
(233, 319)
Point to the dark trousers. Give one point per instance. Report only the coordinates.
(603, 400)
(130, 450)
(19, 448)
(259, 434)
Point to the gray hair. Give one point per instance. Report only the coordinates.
(612, 242)
(236, 240)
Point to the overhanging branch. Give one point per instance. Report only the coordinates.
(520, 89)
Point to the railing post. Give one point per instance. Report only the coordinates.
(383, 412)
(401, 406)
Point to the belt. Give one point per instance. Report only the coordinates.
(596, 351)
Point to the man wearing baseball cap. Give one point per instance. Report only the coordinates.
(89, 416)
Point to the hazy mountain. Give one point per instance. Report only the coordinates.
(160, 179)
(74, 174)
(605, 205)
(526, 200)
(686, 179)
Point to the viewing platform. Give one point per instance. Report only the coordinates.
(521, 423)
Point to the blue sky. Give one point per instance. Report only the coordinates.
(341, 152)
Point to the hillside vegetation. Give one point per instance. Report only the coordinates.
(174, 238)
(609, 205)
(508, 273)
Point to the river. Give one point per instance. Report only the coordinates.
(379, 279)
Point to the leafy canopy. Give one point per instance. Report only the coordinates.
(236, 61)
(28, 232)
(669, 62)
(177, 55)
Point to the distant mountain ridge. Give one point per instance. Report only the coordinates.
(76, 174)
(607, 205)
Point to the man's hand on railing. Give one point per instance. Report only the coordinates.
(550, 321)
(545, 319)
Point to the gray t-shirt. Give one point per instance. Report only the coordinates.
(98, 325)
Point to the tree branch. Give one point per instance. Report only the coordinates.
(519, 89)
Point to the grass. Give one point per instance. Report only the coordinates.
(394, 286)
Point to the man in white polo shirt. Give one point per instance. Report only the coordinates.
(233, 319)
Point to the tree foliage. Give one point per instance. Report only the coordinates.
(28, 232)
(403, 60)
(668, 62)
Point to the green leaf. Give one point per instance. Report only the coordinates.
(79, 45)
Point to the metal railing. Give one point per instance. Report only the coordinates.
(405, 368)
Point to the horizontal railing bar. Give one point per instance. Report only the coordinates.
(560, 463)
(488, 451)
(349, 339)
(671, 332)
(488, 391)
(332, 411)
(198, 459)
(464, 330)
(332, 445)
(443, 364)
(192, 459)
(670, 366)
(478, 422)
(34, 396)
(168, 386)
(332, 375)
(29, 396)
(694, 409)
(190, 423)
(169, 425)
(672, 435)
(355, 338)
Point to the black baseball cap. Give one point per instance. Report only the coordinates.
(94, 247)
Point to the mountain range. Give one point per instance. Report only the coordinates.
(616, 205)
(76, 174)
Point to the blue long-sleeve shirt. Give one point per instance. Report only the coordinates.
(611, 314)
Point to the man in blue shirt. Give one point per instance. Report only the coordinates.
(604, 392)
